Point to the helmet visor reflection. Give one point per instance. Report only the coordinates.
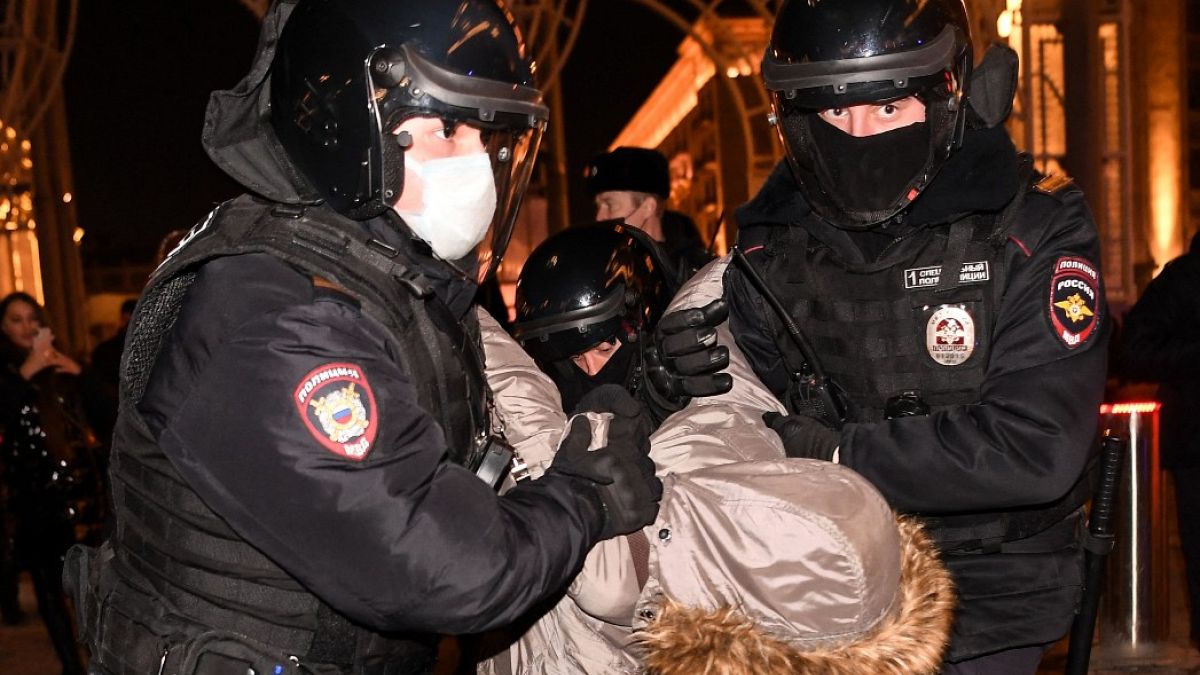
(512, 153)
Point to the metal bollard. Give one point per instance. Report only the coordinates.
(1134, 606)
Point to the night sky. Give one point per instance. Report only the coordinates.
(136, 89)
(140, 76)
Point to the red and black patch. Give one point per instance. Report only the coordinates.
(338, 407)
(1074, 305)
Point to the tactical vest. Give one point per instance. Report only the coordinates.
(918, 322)
(175, 585)
(921, 321)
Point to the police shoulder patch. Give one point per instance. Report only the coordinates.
(338, 408)
(1074, 304)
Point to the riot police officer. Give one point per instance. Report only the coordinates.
(302, 398)
(928, 306)
(587, 299)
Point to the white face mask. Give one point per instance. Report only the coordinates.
(459, 202)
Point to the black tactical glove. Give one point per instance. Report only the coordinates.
(632, 423)
(804, 436)
(621, 472)
(684, 360)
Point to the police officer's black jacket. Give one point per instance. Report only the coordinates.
(287, 495)
(240, 507)
(1008, 354)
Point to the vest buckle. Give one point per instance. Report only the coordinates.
(288, 210)
(385, 249)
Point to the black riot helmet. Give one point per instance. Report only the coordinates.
(347, 72)
(840, 53)
(589, 284)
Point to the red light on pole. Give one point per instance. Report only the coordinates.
(1130, 408)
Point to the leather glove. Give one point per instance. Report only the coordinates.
(804, 436)
(621, 473)
(684, 360)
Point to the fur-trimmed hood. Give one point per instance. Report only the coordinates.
(910, 640)
(778, 565)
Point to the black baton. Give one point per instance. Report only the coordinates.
(1097, 543)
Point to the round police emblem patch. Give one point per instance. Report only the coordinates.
(338, 407)
(950, 335)
(1074, 301)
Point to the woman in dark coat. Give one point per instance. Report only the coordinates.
(43, 447)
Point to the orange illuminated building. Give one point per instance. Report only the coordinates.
(39, 233)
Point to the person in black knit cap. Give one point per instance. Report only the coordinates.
(633, 184)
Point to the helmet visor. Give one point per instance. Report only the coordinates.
(507, 118)
(512, 152)
(462, 186)
(559, 336)
(816, 85)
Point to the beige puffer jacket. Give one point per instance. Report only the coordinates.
(756, 563)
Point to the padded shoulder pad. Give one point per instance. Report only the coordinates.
(1053, 183)
(323, 287)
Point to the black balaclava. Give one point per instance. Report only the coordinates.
(573, 384)
(869, 171)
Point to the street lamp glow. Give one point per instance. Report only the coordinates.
(1004, 24)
